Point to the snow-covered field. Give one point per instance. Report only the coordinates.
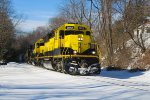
(27, 82)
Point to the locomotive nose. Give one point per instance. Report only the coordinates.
(80, 37)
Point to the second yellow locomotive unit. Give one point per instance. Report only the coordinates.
(67, 49)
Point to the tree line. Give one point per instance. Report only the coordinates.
(113, 23)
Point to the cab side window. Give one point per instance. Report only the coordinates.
(88, 33)
(37, 45)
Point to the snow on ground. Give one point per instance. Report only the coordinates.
(27, 82)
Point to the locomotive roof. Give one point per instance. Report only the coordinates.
(75, 25)
(63, 27)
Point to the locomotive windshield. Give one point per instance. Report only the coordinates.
(40, 44)
(71, 32)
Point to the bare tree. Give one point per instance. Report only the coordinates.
(134, 13)
(80, 11)
(8, 22)
(56, 22)
(72, 11)
(104, 8)
(6, 27)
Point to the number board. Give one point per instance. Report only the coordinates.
(69, 27)
(81, 28)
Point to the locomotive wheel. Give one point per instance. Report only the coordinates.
(58, 67)
(96, 71)
(62, 66)
(73, 70)
(33, 63)
(41, 63)
(99, 71)
(55, 68)
(54, 65)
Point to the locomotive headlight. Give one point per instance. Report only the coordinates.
(80, 39)
(74, 52)
(93, 52)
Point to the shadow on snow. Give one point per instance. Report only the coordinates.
(120, 74)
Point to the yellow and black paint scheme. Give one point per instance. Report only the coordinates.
(69, 49)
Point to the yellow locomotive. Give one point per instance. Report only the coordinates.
(67, 49)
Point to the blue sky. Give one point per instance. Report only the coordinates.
(36, 12)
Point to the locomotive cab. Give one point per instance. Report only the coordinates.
(75, 37)
(39, 47)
